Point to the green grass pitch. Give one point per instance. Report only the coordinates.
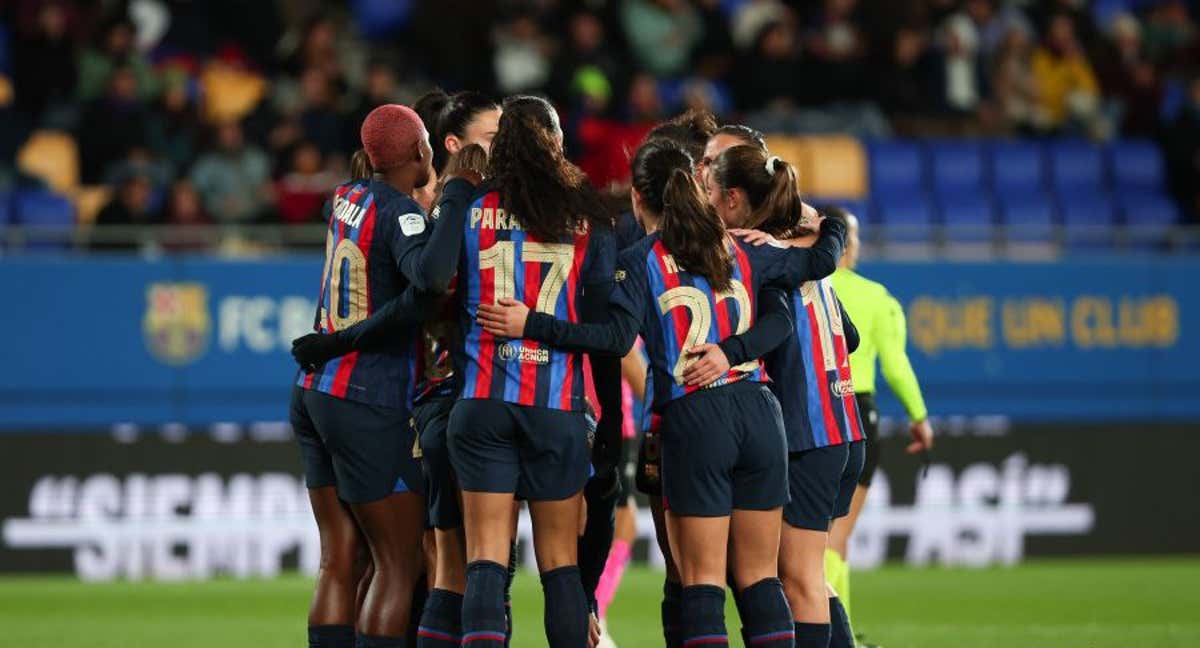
(1068, 603)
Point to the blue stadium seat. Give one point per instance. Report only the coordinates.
(896, 170)
(1137, 166)
(968, 219)
(1148, 218)
(51, 217)
(908, 220)
(6, 211)
(1017, 167)
(1076, 165)
(1089, 222)
(1028, 218)
(956, 168)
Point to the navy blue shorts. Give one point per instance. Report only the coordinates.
(724, 449)
(443, 508)
(537, 453)
(366, 451)
(815, 478)
(851, 477)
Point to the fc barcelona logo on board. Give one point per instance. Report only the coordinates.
(177, 324)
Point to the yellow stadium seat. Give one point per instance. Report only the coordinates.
(833, 166)
(89, 200)
(53, 157)
(788, 148)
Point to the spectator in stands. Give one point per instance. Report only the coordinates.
(839, 46)
(588, 68)
(183, 210)
(1182, 148)
(907, 82)
(319, 117)
(319, 50)
(713, 55)
(143, 163)
(661, 34)
(130, 207)
(1067, 90)
(233, 179)
(769, 75)
(962, 82)
(174, 126)
(112, 125)
(1129, 78)
(522, 56)
(115, 51)
(44, 72)
(1014, 88)
(1170, 34)
(381, 89)
(303, 189)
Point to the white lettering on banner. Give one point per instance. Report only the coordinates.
(262, 324)
(171, 527)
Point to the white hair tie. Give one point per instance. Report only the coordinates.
(771, 164)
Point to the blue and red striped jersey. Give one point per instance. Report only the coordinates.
(679, 310)
(811, 372)
(371, 228)
(501, 260)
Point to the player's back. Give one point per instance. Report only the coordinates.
(370, 223)
(500, 259)
(685, 311)
(811, 372)
(867, 302)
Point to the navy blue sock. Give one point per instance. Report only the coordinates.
(441, 622)
(703, 614)
(672, 599)
(812, 635)
(512, 575)
(841, 634)
(483, 605)
(372, 641)
(331, 636)
(566, 608)
(765, 615)
(420, 596)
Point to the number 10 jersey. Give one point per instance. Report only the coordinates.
(501, 260)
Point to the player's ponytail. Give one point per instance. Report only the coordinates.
(548, 195)
(771, 186)
(691, 231)
(360, 165)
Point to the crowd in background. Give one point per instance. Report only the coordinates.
(221, 110)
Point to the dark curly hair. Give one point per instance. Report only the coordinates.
(690, 131)
(550, 197)
(691, 231)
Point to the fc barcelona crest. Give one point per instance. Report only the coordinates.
(177, 324)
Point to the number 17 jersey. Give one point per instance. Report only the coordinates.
(500, 260)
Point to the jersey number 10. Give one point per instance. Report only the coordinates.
(501, 259)
(349, 275)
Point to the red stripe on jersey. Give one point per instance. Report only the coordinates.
(849, 403)
(822, 376)
(678, 315)
(572, 288)
(527, 390)
(487, 295)
(366, 232)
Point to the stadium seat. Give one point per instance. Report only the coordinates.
(1076, 165)
(968, 219)
(1016, 167)
(6, 211)
(1027, 218)
(1148, 218)
(50, 217)
(1137, 166)
(89, 200)
(833, 166)
(1088, 222)
(906, 220)
(52, 156)
(956, 168)
(896, 170)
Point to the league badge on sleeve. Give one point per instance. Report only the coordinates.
(412, 224)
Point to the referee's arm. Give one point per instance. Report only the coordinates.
(891, 340)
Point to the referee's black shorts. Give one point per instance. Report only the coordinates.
(870, 421)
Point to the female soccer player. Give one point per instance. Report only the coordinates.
(723, 466)
(350, 414)
(811, 378)
(536, 233)
(454, 121)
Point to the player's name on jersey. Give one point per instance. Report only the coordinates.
(348, 212)
(493, 218)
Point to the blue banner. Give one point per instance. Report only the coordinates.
(199, 341)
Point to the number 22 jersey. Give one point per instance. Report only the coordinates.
(500, 259)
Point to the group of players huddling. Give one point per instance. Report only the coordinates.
(476, 301)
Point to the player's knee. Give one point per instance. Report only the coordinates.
(803, 590)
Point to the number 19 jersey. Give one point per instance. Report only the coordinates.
(502, 260)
